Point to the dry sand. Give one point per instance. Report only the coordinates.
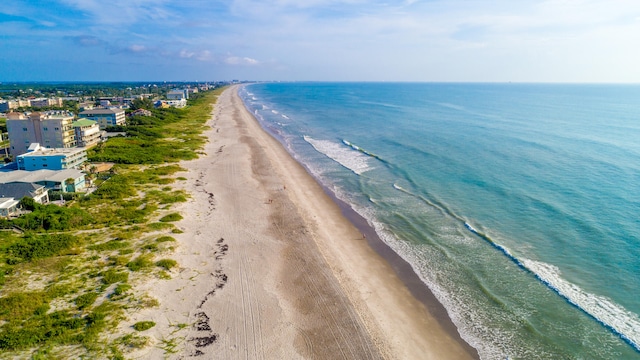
(271, 269)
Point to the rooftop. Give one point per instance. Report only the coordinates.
(83, 123)
(101, 111)
(23, 176)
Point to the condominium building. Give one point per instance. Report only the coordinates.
(38, 158)
(50, 129)
(105, 117)
(44, 102)
(8, 105)
(87, 132)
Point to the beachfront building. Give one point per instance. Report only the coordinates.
(39, 157)
(105, 117)
(177, 103)
(68, 180)
(87, 133)
(178, 94)
(8, 206)
(17, 191)
(51, 129)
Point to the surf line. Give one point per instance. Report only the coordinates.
(358, 148)
(629, 339)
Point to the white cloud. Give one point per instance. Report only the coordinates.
(186, 54)
(235, 60)
(137, 48)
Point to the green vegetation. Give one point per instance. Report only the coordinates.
(32, 247)
(112, 276)
(141, 262)
(143, 325)
(166, 264)
(171, 217)
(162, 239)
(168, 136)
(85, 300)
(78, 259)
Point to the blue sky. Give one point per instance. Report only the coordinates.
(335, 40)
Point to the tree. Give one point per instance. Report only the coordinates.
(145, 103)
(28, 203)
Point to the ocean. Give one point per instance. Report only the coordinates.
(518, 205)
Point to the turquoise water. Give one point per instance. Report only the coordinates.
(517, 204)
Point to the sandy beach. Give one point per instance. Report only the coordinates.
(270, 267)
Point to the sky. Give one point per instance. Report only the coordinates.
(579, 41)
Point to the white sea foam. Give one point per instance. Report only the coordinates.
(345, 156)
(623, 322)
(274, 111)
(379, 104)
(452, 106)
(285, 116)
(358, 148)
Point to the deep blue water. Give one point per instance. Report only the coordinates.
(517, 204)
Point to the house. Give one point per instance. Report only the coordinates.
(177, 103)
(87, 132)
(69, 180)
(53, 159)
(141, 112)
(178, 94)
(51, 129)
(105, 117)
(161, 104)
(8, 206)
(19, 190)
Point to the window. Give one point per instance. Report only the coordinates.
(24, 129)
(45, 129)
(57, 129)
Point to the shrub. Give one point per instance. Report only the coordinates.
(28, 203)
(171, 217)
(111, 276)
(85, 300)
(140, 263)
(121, 289)
(151, 247)
(162, 239)
(53, 217)
(32, 247)
(143, 325)
(166, 264)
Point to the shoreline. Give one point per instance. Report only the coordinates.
(401, 267)
(271, 266)
(405, 272)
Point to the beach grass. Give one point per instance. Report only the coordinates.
(66, 281)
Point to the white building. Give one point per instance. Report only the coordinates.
(105, 117)
(51, 129)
